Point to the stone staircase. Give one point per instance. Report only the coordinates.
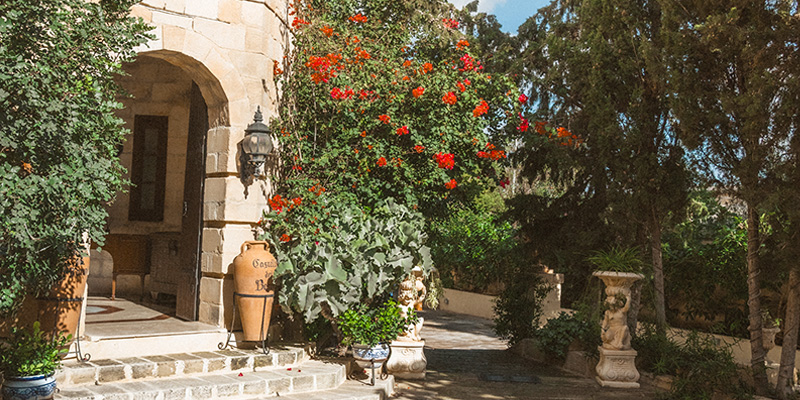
(287, 372)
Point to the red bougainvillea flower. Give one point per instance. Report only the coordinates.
(298, 22)
(451, 185)
(297, 201)
(504, 182)
(403, 130)
(381, 162)
(277, 203)
(418, 91)
(359, 18)
(467, 82)
(427, 67)
(483, 154)
(407, 63)
(523, 99)
(419, 148)
(384, 118)
(563, 132)
(327, 30)
(363, 54)
(339, 94)
(445, 160)
(461, 86)
(523, 126)
(461, 44)
(450, 23)
(450, 98)
(481, 108)
(468, 63)
(285, 238)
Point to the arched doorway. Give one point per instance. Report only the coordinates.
(175, 102)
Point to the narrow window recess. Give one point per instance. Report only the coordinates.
(149, 169)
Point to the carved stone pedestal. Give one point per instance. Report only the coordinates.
(617, 369)
(407, 360)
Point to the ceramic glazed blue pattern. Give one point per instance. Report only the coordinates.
(364, 354)
(38, 387)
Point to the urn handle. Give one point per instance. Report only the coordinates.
(247, 244)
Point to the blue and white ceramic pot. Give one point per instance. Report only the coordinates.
(38, 387)
(367, 357)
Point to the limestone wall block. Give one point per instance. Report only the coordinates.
(211, 290)
(142, 12)
(169, 19)
(210, 314)
(211, 262)
(241, 113)
(220, 66)
(178, 6)
(173, 37)
(228, 36)
(218, 139)
(212, 240)
(215, 189)
(202, 8)
(253, 14)
(254, 40)
(230, 11)
(196, 45)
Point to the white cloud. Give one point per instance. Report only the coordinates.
(486, 6)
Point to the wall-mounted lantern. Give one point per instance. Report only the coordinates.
(257, 143)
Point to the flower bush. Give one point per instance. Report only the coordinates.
(381, 100)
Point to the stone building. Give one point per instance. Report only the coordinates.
(194, 89)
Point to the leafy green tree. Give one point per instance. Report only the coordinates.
(58, 132)
(736, 105)
(596, 68)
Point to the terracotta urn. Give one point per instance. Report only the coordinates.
(253, 271)
(60, 309)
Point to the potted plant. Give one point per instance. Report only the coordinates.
(369, 330)
(28, 362)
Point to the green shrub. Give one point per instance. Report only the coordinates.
(372, 325)
(703, 369)
(472, 249)
(346, 257)
(617, 259)
(31, 353)
(519, 307)
(555, 337)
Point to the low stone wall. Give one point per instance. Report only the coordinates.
(481, 305)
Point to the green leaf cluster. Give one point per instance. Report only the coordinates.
(556, 336)
(617, 259)
(372, 325)
(340, 256)
(58, 132)
(32, 352)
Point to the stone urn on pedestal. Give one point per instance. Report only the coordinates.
(407, 359)
(616, 367)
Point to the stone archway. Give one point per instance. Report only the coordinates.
(177, 107)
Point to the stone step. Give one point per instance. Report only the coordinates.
(149, 368)
(350, 390)
(311, 376)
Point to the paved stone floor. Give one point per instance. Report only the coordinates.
(467, 361)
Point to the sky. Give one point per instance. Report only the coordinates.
(510, 13)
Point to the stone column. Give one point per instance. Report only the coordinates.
(616, 367)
